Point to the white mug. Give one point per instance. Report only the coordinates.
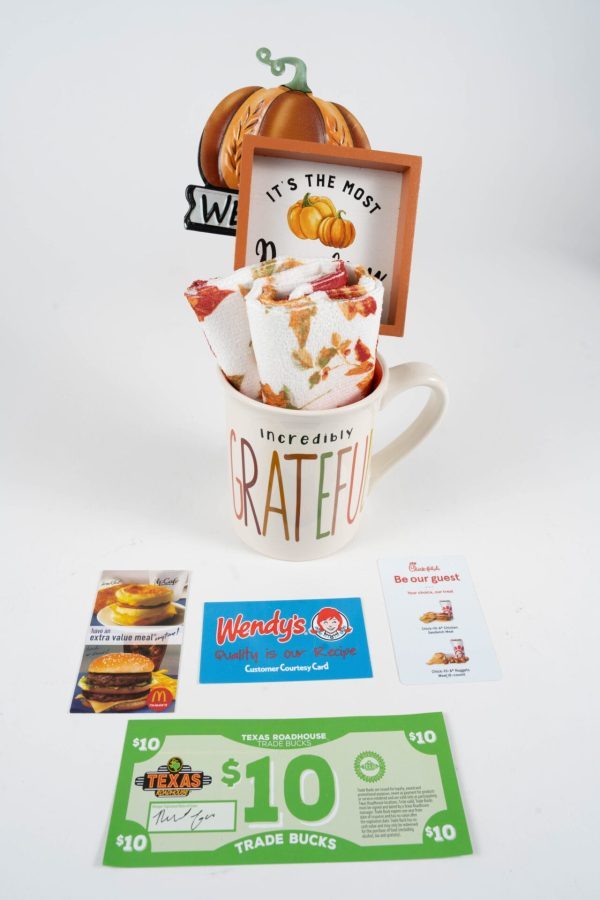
(299, 478)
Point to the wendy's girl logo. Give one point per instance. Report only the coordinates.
(330, 624)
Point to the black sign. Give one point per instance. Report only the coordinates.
(211, 209)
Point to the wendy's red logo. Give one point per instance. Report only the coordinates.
(329, 624)
(230, 630)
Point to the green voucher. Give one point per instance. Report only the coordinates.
(198, 792)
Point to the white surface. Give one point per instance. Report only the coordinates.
(113, 437)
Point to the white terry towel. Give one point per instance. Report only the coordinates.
(220, 307)
(315, 346)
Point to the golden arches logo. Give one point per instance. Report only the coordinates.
(159, 698)
(159, 695)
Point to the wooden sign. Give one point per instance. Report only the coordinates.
(298, 198)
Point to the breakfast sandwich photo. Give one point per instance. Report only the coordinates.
(140, 599)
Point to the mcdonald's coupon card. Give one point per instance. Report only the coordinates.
(227, 792)
(284, 640)
(130, 661)
(438, 629)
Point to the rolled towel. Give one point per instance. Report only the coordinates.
(220, 307)
(315, 345)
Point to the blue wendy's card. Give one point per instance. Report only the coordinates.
(284, 640)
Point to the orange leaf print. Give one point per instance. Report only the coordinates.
(273, 399)
(204, 298)
(282, 399)
(235, 380)
(365, 384)
(300, 323)
(326, 354)
(303, 358)
(361, 351)
(367, 306)
(347, 292)
(366, 366)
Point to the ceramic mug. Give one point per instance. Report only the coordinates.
(299, 478)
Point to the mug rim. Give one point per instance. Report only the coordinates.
(310, 413)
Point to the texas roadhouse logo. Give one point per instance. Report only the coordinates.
(173, 780)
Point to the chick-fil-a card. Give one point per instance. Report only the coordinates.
(438, 629)
(284, 640)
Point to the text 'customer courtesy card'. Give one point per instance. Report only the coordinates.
(438, 629)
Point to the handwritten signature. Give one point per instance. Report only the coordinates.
(193, 819)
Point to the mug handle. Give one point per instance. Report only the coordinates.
(403, 378)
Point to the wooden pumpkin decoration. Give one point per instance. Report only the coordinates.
(287, 111)
(335, 231)
(306, 215)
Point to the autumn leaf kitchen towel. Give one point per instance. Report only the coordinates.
(220, 307)
(315, 348)
(296, 333)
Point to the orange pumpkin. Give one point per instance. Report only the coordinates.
(286, 111)
(305, 216)
(336, 232)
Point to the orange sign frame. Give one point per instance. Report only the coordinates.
(409, 166)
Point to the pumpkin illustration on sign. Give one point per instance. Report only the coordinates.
(306, 215)
(336, 232)
(316, 218)
(286, 111)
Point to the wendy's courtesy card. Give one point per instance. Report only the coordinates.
(438, 629)
(284, 640)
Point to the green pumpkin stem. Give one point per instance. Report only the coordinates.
(339, 213)
(306, 201)
(277, 66)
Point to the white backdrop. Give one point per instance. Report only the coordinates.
(113, 427)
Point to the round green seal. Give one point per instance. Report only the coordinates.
(175, 765)
(369, 766)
